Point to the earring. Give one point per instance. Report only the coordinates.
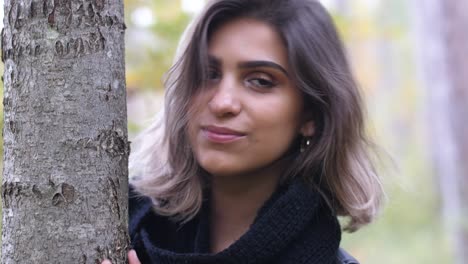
(305, 143)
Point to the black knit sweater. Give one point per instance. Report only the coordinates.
(294, 226)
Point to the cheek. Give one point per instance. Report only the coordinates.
(282, 115)
(277, 127)
(277, 137)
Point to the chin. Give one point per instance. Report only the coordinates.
(218, 168)
(221, 171)
(215, 162)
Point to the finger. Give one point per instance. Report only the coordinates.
(106, 261)
(133, 258)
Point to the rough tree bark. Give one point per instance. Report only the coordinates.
(443, 43)
(65, 138)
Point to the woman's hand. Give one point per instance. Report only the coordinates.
(132, 258)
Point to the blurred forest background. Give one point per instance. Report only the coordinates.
(383, 38)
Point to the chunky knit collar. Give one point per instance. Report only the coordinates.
(294, 226)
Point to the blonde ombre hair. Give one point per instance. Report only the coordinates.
(338, 163)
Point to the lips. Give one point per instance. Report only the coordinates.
(218, 134)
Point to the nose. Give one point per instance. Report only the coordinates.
(225, 99)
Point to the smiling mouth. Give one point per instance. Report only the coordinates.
(221, 134)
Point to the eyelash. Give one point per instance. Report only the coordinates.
(213, 74)
(261, 82)
(257, 81)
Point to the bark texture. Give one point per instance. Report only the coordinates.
(65, 137)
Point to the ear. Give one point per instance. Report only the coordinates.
(308, 128)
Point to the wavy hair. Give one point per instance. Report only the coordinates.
(339, 162)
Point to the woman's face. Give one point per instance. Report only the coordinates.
(251, 111)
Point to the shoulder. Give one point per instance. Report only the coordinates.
(142, 216)
(345, 258)
(140, 207)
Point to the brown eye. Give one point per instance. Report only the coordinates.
(213, 74)
(261, 81)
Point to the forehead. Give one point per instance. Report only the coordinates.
(247, 39)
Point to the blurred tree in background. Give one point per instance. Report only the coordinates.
(441, 28)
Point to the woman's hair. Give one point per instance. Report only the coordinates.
(338, 163)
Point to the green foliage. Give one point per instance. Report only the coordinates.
(148, 61)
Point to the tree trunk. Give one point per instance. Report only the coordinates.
(65, 136)
(443, 43)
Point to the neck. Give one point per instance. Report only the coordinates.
(235, 203)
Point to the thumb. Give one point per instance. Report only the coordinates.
(133, 258)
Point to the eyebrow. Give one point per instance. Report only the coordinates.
(261, 63)
(251, 64)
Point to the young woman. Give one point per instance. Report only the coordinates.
(261, 145)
